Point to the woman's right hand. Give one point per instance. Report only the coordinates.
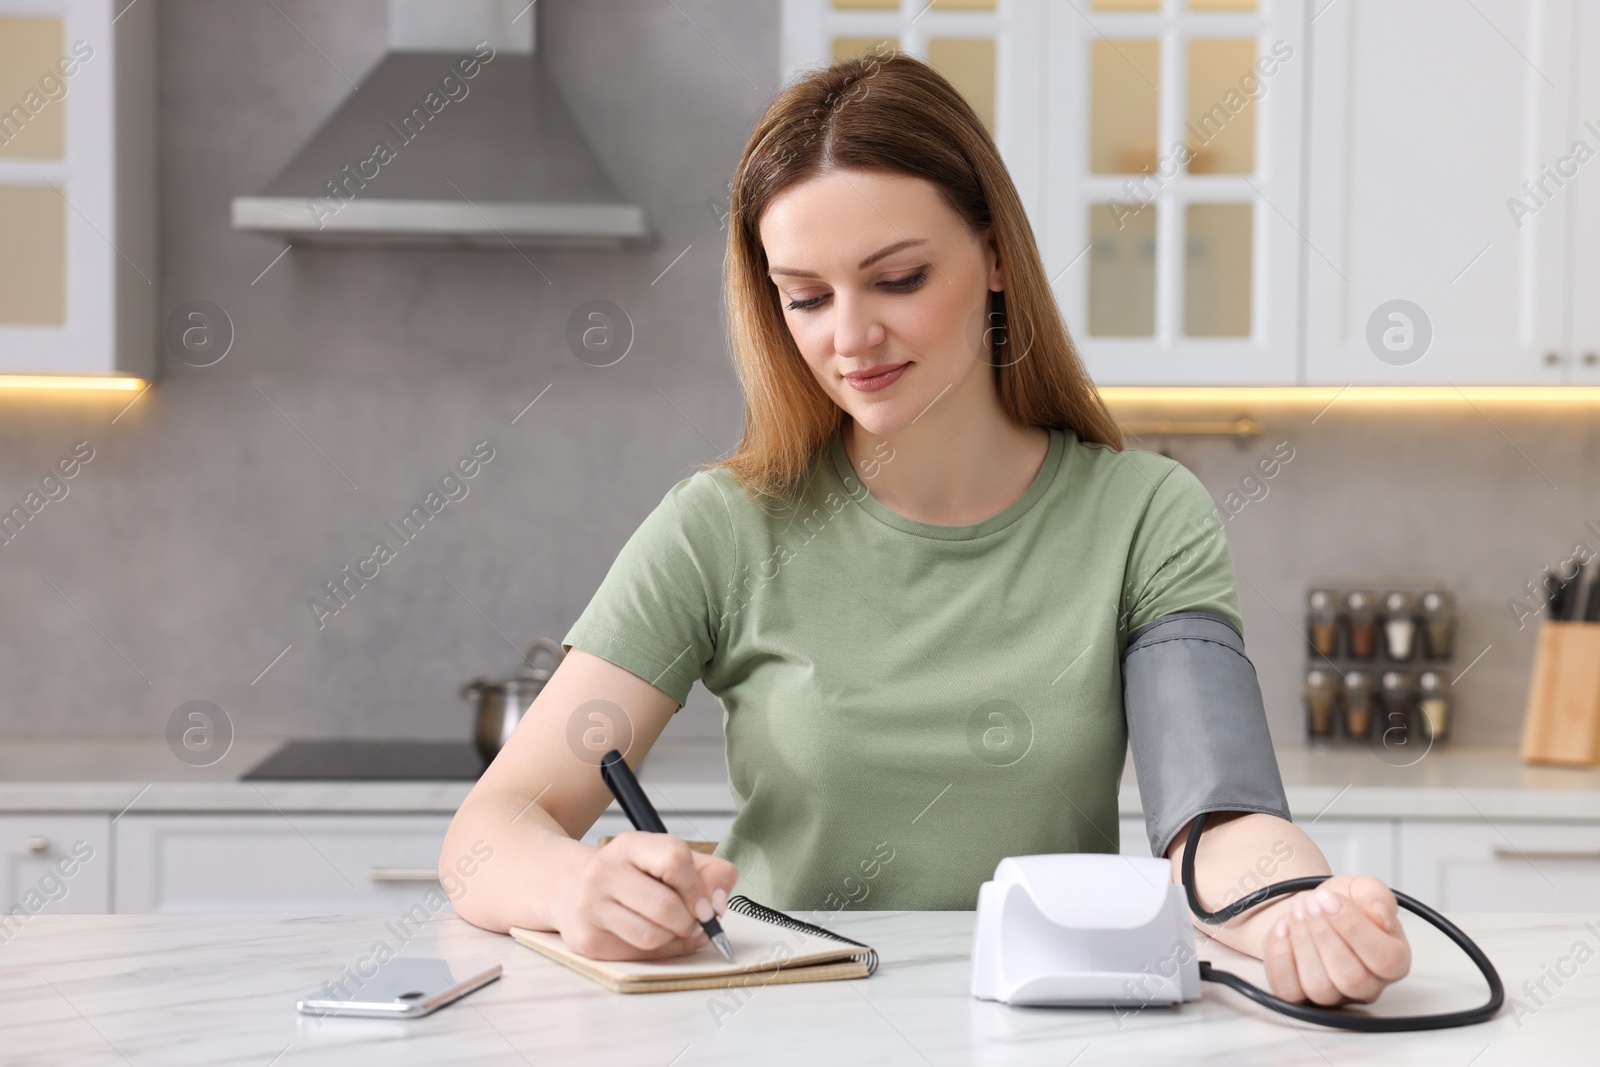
(642, 896)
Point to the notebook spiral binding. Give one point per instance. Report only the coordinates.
(745, 906)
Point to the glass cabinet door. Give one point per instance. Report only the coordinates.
(1173, 165)
(991, 50)
(77, 192)
(1156, 147)
(33, 225)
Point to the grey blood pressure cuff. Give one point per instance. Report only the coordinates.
(1196, 724)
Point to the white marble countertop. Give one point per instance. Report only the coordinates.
(123, 990)
(691, 775)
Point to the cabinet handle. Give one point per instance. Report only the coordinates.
(1591, 358)
(38, 844)
(1502, 853)
(403, 874)
(1552, 359)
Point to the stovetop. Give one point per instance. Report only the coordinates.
(348, 761)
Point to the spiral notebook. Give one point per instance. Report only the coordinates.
(769, 948)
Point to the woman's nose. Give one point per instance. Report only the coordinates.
(856, 330)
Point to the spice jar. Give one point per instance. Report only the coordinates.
(1358, 705)
(1322, 621)
(1361, 620)
(1321, 689)
(1400, 626)
(1434, 702)
(1439, 623)
(1396, 689)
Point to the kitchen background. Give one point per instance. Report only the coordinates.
(181, 562)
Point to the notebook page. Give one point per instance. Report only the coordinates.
(757, 946)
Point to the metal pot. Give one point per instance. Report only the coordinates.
(503, 701)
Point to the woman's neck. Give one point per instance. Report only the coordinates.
(950, 467)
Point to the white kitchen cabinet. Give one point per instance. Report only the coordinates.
(1173, 163)
(1456, 865)
(990, 49)
(53, 865)
(300, 863)
(1351, 846)
(175, 863)
(1171, 267)
(1355, 846)
(1583, 348)
(1502, 866)
(1413, 198)
(1425, 120)
(691, 826)
(78, 208)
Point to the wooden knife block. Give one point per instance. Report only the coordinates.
(1562, 721)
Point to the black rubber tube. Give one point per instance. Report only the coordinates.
(1376, 1024)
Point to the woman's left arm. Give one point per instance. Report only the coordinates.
(1341, 942)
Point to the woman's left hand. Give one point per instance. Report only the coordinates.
(1339, 943)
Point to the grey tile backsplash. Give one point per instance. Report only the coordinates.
(183, 561)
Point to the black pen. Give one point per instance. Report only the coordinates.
(619, 778)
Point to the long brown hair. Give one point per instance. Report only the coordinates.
(886, 111)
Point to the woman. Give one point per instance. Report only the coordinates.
(913, 587)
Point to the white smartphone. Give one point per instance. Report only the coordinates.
(406, 987)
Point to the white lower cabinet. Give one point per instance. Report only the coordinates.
(1459, 866)
(308, 863)
(1355, 846)
(302, 863)
(185, 864)
(53, 865)
(691, 826)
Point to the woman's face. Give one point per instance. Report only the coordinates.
(885, 291)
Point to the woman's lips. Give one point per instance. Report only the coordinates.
(878, 381)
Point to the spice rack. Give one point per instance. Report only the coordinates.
(1379, 658)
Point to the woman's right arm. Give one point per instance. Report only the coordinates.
(511, 856)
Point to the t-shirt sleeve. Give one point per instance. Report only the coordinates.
(1179, 559)
(1196, 723)
(656, 613)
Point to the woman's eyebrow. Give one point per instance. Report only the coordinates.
(887, 250)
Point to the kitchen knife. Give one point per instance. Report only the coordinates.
(1552, 595)
(1572, 604)
(1573, 600)
(1591, 605)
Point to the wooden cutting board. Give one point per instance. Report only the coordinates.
(1562, 720)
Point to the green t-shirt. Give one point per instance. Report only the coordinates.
(906, 704)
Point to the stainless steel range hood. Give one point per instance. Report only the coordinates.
(457, 136)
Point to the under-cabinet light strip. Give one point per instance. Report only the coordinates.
(1320, 394)
(69, 381)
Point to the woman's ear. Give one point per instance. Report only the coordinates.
(997, 274)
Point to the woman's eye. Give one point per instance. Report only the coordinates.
(894, 285)
(905, 285)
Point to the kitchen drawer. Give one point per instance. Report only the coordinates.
(1507, 866)
(184, 864)
(1351, 846)
(53, 865)
(691, 826)
(1356, 846)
